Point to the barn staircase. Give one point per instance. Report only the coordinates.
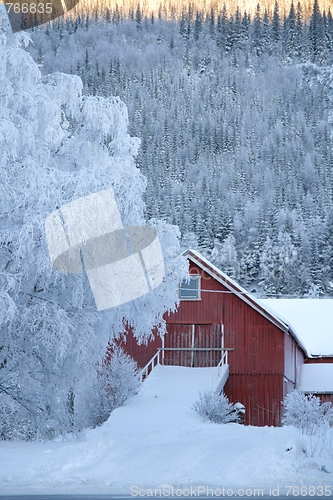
(219, 375)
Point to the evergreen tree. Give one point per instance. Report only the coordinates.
(276, 25)
(266, 32)
(328, 251)
(197, 25)
(316, 33)
(222, 29)
(292, 48)
(257, 40)
(299, 30)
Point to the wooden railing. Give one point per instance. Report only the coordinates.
(224, 358)
(156, 359)
(221, 373)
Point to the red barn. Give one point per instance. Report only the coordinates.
(216, 317)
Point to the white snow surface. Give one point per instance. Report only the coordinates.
(315, 377)
(312, 320)
(156, 440)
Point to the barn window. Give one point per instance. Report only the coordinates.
(190, 290)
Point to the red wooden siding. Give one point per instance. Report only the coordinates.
(260, 394)
(207, 310)
(143, 353)
(325, 398)
(258, 344)
(258, 347)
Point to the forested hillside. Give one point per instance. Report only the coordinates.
(234, 116)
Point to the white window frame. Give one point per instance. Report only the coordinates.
(198, 278)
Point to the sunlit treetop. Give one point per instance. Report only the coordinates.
(174, 9)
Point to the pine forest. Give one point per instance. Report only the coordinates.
(233, 106)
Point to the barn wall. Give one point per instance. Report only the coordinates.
(143, 353)
(300, 360)
(257, 362)
(290, 359)
(207, 310)
(260, 394)
(288, 386)
(293, 358)
(325, 398)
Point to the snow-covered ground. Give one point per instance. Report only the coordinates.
(157, 441)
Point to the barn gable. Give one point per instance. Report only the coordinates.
(231, 286)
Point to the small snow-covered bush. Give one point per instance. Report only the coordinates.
(306, 412)
(121, 377)
(117, 380)
(216, 408)
(313, 419)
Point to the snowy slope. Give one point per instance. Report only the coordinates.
(168, 392)
(156, 440)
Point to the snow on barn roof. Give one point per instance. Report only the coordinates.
(244, 295)
(311, 318)
(315, 378)
(189, 253)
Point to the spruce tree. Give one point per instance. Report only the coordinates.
(276, 25)
(316, 33)
(291, 33)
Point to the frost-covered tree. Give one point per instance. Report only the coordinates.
(117, 380)
(276, 24)
(257, 42)
(328, 249)
(224, 256)
(316, 33)
(58, 145)
(279, 262)
(313, 419)
(305, 412)
(291, 33)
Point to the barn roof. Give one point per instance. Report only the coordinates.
(311, 318)
(244, 295)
